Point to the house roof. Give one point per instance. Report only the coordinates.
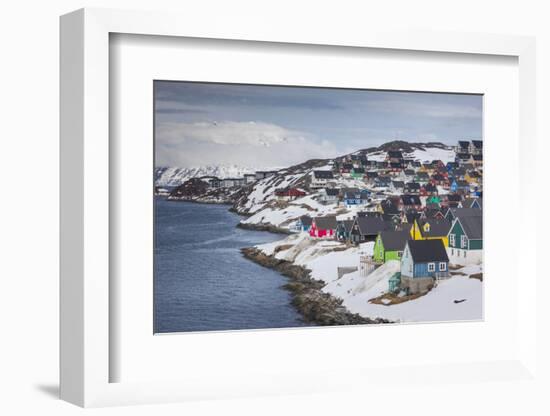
(463, 156)
(412, 185)
(466, 212)
(323, 174)
(463, 143)
(305, 220)
(423, 175)
(472, 226)
(394, 240)
(326, 223)
(411, 200)
(432, 212)
(398, 184)
(438, 228)
(371, 225)
(411, 216)
(346, 225)
(389, 207)
(468, 202)
(430, 188)
(354, 193)
(406, 226)
(332, 191)
(478, 144)
(424, 251)
(454, 198)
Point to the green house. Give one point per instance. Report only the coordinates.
(466, 240)
(389, 245)
(434, 199)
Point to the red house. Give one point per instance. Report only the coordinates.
(289, 193)
(322, 227)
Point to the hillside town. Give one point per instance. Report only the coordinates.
(393, 222)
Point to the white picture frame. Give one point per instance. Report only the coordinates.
(85, 212)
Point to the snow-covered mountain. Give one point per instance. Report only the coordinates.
(172, 176)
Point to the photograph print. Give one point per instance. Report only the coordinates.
(287, 206)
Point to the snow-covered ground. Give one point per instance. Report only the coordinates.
(356, 291)
(432, 153)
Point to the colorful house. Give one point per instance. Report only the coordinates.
(323, 227)
(423, 262)
(304, 223)
(466, 240)
(343, 230)
(453, 213)
(289, 194)
(431, 229)
(389, 245)
(354, 197)
(367, 229)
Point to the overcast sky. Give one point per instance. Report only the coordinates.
(198, 124)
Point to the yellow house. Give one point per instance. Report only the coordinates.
(472, 178)
(431, 230)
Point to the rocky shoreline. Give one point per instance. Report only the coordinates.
(315, 305)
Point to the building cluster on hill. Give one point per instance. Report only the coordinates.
(427, 215)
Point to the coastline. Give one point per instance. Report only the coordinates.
(310, 301)
(307, 297)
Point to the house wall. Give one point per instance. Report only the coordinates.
(391, 255)
(461, 257)
(378, 254)
(456, 229)
(475, 244)
(407, 266)
(421, 269)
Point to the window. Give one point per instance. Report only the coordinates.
(452, 252)
(463, 241)
(442, 267)
(452, 239)
(399, 254)
(431, 267)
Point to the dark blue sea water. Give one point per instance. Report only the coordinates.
(202, 281)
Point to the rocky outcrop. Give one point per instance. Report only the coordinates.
(263, 227)
(308, 298)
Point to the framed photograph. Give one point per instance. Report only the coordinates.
(356, 224)
(262, 214)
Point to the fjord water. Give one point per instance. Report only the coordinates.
(203, 283)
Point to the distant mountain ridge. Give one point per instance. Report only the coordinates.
(173, 176)
(427, 151)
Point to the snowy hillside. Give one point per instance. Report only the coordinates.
(419, 153)
(457, 298)
(176, 176)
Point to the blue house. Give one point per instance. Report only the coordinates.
(354, 197)
(423, 262)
